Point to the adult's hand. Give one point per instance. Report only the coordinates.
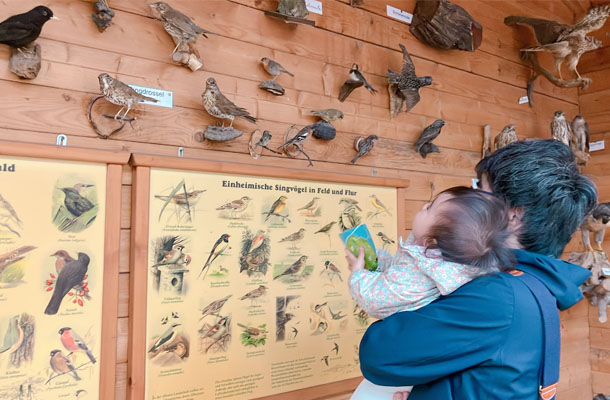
(401, 395)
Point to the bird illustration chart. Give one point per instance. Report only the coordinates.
(51, 278)
(247, 283)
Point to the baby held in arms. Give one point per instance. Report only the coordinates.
(459, 235)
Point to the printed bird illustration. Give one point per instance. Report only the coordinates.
(385, 239)
(253, 332)
(166, 338)
(326, 229)
(328, 114)
(237, 206)
(259, 292)
(62, 257)
(506, 136)
(424, 144)
(311, 207)
(580, 139)
(257, 241)
(180, 199)
(214, 307)
(219, 247)
(217, 330)
(281, 319)
(560, 128)
(218, 106)
(379, 206)
(178, 348)
(294, 269)
(337, 315)
(274, 68)
(295, 331)
(71, 275)
(13, 337)
(74, 201)
(318, 307)
(331, 270)
(335, 348)
(325, 359)
(404, 87)
(177, 25)
(73, 342)
(294, 237)
(175, 315)
(5, 206)
(350, 202)
(173, 256)
(597, 221)
(22, 29)
(13, 256)
(277, 207)
(349, 218)
(363, 146)
(355, 80)
(121, 94)
(320, 328)
(80, 394)
(61, 365)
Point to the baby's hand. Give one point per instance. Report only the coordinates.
(353, 263)
(401, 395)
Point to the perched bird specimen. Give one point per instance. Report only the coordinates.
(331, 270)
(274, 68)
(363, 146)
(326, 230)
(294, 269)
(214, 307)
(560, 128)
(217, 105)
(76, 203)
(253, 331)
(580, 139)
(293, 8)
(299, 139)
(13, 336)
(72, 342)
(506, 136)
(356, 3)
(328, 114)
(236, 206)
(219, 247)
(294, 237)
(13, 256)
(166, 338)
(180, 27)
(103, 15)
(61, 365)
(379, 206)
(355, 80)
(265, 140)
(404, 87)
(22, 29)
(254, 294)
(276, 208)
(424, 144)
(385, 239)
(217, 330)
(597, 221)
(181, 199)
(311, 207)
(120, 94)
(71, 275)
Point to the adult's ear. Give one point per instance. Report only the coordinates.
(515, 223)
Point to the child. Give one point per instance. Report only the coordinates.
(458, 236)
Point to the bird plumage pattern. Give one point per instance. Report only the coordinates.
(424, 144)
(218, 106)
(75, 203)
(404, 87)
(506, 136)
(73, 342)
(560, 128)
(274, 68)
(580, 139)
(22, 29)
(121, 94)
(363, 146)
(354, 81)
(178, 25)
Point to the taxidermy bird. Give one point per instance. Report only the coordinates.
(560, 128)
(22, 29)
(329, 114)
(404, 87)
(566, 42)
(486, 151)
(177, 25)
(363, 146)
(355, 80)
(274, 68)
(580, 139)
(120, 94)
(265, 140)
(506, 136)
(597, 221)
(217, 105)
(293, 8)
(424, 144)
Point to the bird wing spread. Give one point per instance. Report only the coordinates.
(411, 97)
(546, 31)
(347, 88)
(594, 20)
(407, 64)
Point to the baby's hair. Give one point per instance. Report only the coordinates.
(472, 228)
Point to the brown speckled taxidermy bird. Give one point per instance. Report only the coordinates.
(404, 87)
(560, 128)
(506, 136)
(120, 94)
(580, 140)
(217, 105)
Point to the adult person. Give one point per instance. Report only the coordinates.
(485, 340)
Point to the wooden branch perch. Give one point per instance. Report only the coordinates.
(94, 125)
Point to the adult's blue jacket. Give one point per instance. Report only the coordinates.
(483, 341)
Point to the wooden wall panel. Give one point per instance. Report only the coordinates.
(469, 91)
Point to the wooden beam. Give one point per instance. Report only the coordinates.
(23, 149)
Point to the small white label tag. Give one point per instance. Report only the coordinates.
(523, 100)
(606, 271)
(314, 6)
(595, 146)
(399, 14)
(165, 97)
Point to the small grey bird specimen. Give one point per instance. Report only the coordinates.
(329, 114)
(363, 146)
(580, 139)
(265, 140)
(103, 15)
(560, 128)
(214, 307)
(274, 68)
(22, 29)
(217, 105)
(506, 136)
(120, 94)
(404, 87)
(597, 221)
(424, 144)
(355, 80)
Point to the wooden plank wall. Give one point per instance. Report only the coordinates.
(469, 90)
(594, 105)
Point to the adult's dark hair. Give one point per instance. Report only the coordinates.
(472, 228)
(541, 177)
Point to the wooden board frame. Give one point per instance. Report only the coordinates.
(136, 370)
(112, 229)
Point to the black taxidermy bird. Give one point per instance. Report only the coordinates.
(22, 29)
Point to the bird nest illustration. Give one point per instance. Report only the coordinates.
(74, 205)
(170, 263)
(254, 254)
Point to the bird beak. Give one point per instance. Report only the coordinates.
(55, 18)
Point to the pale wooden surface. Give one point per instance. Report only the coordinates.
(469, 91)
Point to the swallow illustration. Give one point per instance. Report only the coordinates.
(165, 338)
(321, 328)
(335, 348)
(318, 307)
(219, 247)
(325, 359)
(72, 342)
(295, 331)
(333, 315)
